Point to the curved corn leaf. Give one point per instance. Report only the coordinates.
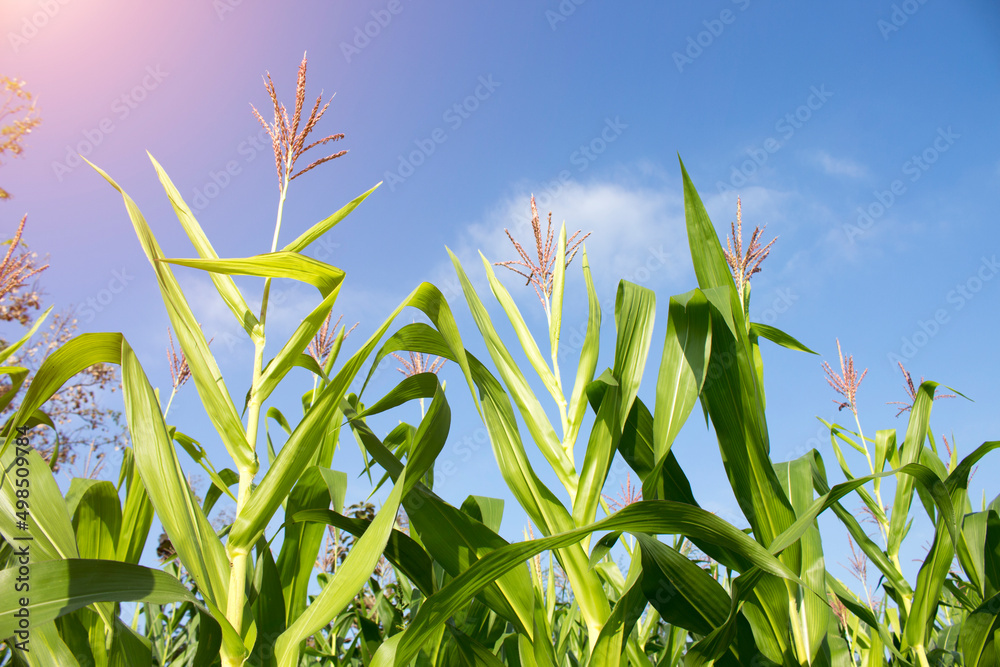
(778, 336)
(212, 390)
(323, 226)
(363, 556)
(589, 350)
(62, 586)
(50, 530)
(683, 366)
(16, 345)
(656, 516)
(223, 283)
(280, 264)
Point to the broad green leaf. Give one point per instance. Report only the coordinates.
(683, 593)
(683, 366)
(137, 513)
(97, 520)
(979, 635)
(176, 507)
(454, 538)
(48, 531)
(72, 357)
(291, 353)
(45, 648)
(62, 586)
(401, 550)
(301, 543)
(916, 434)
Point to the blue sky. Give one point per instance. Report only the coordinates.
(864, 134)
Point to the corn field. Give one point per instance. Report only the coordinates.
(296, 577)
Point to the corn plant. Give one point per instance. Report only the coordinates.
(252, 608)
(772, 606)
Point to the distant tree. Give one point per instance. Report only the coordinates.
(18, 117)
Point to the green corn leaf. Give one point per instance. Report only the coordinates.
(916, 434)
(538, 501)
(97, 520)
(778, 336)
(642, 517)
(635, 311)
(223, 283)
(364, 555)
(979, 641)
(18, 375)
(62, 586)
(301, 544)
(16, 345)
(49, 532)
(524, 336)
(558, 292)
(453, 538)
(683, 366)
(710, 264)
(610, 645)
(268, 603)
(405, 553)
(291, 353)
(531, 409)
(137, 513)
(205, 371)
(684, 594)
(74, 356)
(601, 447)
(200, 456)
(588, 356)
(176, 507)
(281, 264)
(323, 226)
(300, 447)
(45, 648)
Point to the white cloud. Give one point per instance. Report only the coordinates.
(838, 166)
(637, 230)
